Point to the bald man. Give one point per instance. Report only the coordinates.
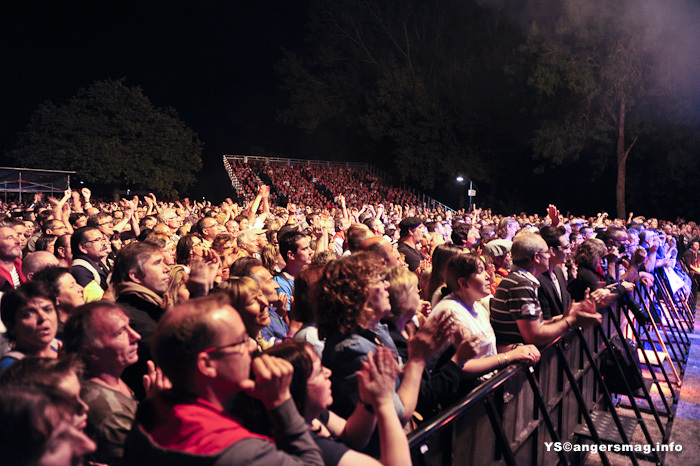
(36, 261)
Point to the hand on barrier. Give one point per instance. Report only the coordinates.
(525, 353)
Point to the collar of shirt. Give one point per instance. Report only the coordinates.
(528, 275)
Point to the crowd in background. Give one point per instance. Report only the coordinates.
(315, 324)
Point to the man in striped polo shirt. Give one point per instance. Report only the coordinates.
(516, 315)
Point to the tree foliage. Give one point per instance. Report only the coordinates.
(114, 137)
(404, 74)
(592, 69)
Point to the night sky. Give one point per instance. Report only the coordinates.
(210, 60)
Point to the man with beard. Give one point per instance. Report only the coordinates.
(10, 263)
(90, 250)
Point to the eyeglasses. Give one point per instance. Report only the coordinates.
(96, 240)
(243, 344)
(109, 222)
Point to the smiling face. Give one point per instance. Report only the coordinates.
(478, 283)
(254, 312)
(36, 325)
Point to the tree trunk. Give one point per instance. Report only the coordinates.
(621, 163)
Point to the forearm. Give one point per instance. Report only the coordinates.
(359, 427)
(392, 439)
(410, 387)
(477, 367)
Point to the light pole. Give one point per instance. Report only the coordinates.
(471, 192)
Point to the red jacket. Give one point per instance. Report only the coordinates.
(6, 276)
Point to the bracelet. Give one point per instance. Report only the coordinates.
(368, 407)
(568, 324)
(499, 359)
(505, 356)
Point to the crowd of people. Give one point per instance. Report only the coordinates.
(152, 332)
(316, 185)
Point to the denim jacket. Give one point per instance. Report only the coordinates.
(343, 357)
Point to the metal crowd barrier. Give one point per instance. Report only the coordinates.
(512, 417)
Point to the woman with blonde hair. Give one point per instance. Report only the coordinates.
(440, 384)
(246, 296)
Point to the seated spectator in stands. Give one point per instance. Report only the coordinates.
(30, 317)
(440, 383)
(90, 249)
(436, 285)
(11, 275)
(516, 315)
(204, 349)
(467, 284)
(305, 296)
(498, 250)
(67, 294)
(335, 436)
(352, 301)
(63, 252)
(411, 233)
(100, 333)
(140, 280)
(37, 428)
(37, 261)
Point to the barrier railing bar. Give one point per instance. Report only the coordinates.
(647, 305)
(604, 388)
(652, 371)
(583, 409)
(501, 436)
(662, 307)
(633, 402)
(539, 401)
(667, 297)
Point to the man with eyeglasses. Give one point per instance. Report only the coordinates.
(90, 250)
(203, 348)
(553, 295)
(516, 313)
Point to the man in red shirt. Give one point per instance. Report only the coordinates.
(203, 348)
